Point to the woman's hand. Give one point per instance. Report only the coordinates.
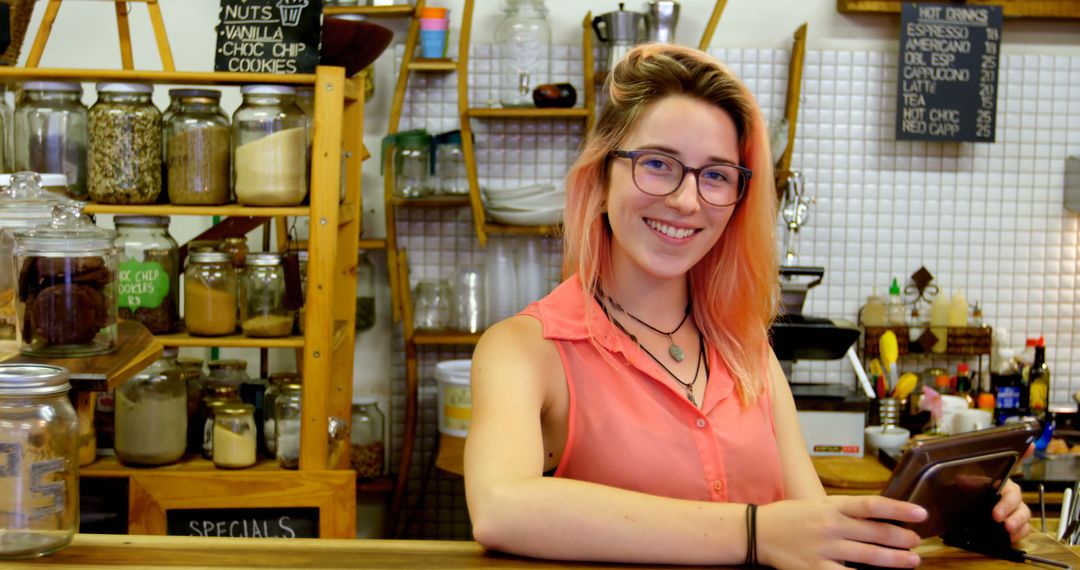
(1011, 511)
(826, 532)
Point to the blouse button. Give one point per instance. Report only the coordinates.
(700, 423)
(717, 485)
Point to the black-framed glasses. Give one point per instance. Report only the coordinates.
(659, 174)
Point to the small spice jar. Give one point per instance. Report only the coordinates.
(151, 414)
(51, 132)
(273, 389)
(40, 501)
(124, 151)
(66, 287)
(269, 140)
(262, 297)
(234, 436)
(210, 408)
(287, 425)
(197, 153)
(149, 272)
(368, 449)
(210, 294)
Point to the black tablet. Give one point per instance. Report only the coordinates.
(949, 476)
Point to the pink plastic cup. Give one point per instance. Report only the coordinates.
(434, 23)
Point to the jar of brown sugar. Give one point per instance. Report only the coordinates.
(210, 294)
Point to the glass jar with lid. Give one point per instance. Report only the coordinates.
(230, 371)
(234, 436)
(411, 161)
(287, 425)
(195, 381)
(23, 204)
(524, 46)
(368, 453)
(7, 133)
(301, 315)
(197, 141)
(51, 132)
(432, 304)
(209, 412)
(151, 414)
(453, 180)
(262, 297)
(210, 294)
(237, 247)
(365, 292)
(39, 508)
(269, 141)
(66, 286)
(124, 152)
(149, 272)
(273, 389)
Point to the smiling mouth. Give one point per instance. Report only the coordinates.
(671, 231)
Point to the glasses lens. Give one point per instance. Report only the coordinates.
(720, 184)
(657, 174)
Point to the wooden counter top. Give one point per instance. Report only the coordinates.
(152, 552)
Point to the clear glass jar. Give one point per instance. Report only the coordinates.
(269, 140)
(262, 297)
(524, 47)
(197, 148)
(24, 204)
(273, 390)
(365, 292)
(149, 272)
(237, 247)
(453, 180)
(124, 152)
(432, 304)
(7, 132)
(66, 287)
(368, 451)
(301, 315)
(210, 294)
(195, 380)
(151, 414)
(51, 132)
(287, 425)
(39, 484)
(206, 427)
(412, 163)
(228, 371)
(234, 436)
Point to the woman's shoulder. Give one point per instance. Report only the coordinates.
(516, 347)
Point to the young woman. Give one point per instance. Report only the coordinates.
(645, 383)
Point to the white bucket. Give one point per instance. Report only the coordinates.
(454, 396)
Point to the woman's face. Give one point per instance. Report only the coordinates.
(665, 236)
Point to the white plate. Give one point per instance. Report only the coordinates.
(519, 192)
(546, 201)
(534, 218)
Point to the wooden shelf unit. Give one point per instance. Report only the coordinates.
(370, 11)
(433, 65)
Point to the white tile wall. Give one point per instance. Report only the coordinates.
(985, 218)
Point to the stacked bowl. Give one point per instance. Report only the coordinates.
(535, 205)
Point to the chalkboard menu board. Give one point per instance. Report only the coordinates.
(268, 36)
(947, 83)
(244, 523)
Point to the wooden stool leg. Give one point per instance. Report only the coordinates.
(44, 29)
(159, 35)
(126, 58)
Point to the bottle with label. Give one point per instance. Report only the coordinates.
(916, 326)
(1027, 357)
(958, 310)
(1039, 381)
(963, 384)
(939, 322)
(873, 312)
(1010, 397)
(895, 315)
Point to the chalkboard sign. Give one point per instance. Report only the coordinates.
(947, 83)
(269, 36)
(244, 523)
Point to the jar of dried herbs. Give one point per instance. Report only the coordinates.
(197, 155)
(51, 132)
(125, 145)
(149, 272)
(262, 297)
(269, 141)
(66, 286)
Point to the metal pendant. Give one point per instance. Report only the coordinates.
(690, 396)
(676, 352)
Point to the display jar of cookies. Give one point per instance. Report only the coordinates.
(66, 286)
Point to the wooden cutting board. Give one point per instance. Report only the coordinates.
(851, 473)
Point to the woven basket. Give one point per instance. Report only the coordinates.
(20, 11)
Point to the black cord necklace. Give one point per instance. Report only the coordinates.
(689, 386)
(674, 350)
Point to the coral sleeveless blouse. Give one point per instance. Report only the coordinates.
(631, 427)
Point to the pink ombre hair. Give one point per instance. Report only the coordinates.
(734, 286)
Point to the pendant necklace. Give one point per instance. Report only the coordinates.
(674, 350)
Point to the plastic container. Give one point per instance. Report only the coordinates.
(51, 132)
(454, 396)
(269, 138)
(939, 322)
(124, 149)
(895, 312)
(958, 310)
(40, 481)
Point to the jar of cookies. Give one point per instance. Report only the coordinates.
(66, 286)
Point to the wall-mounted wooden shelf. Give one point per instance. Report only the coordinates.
(432, 202)
(526, 113)
(229, 341)
(500, 229)
(370, 11)
(434, 65)
(371, 244)
(172, 210)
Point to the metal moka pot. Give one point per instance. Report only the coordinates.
(618, 31)
(661, 17)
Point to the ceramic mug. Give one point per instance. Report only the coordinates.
(971, 420)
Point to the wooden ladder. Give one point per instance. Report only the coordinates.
(126, 58)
